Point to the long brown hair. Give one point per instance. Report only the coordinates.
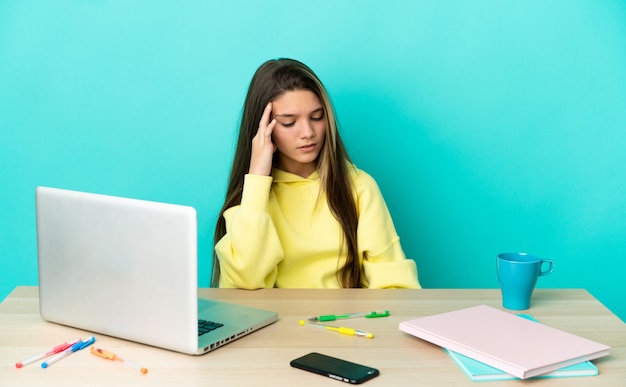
(272, 79)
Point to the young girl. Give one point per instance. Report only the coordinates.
(298, 213)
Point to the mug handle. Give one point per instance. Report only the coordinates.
(550, 268)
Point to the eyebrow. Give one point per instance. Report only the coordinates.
(288, 115)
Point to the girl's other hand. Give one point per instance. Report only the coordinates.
(262, 146)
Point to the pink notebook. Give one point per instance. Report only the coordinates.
(517, 346)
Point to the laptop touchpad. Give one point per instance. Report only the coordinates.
(204, 304)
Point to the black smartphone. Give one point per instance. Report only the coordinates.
(335, 368)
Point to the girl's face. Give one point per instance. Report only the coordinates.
(299, 132)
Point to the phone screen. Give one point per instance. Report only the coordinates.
(335, 368)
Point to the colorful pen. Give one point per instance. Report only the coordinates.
(103, 353)
(76, 347)
(55, 350)
(342, 330)
(333, 317)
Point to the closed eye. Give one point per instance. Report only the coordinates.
(317, 114)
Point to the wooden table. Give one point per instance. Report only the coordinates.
(262, 359)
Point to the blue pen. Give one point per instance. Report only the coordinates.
(76, 347)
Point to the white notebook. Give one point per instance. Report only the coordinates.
(517, 346)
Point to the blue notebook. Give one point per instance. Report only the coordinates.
(478, 371)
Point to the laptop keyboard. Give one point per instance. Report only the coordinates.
(205, 326)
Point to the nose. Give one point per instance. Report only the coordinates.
(306, 130)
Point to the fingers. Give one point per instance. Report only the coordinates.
(269, 130)
(265, 125)
(262, 146)
(266, 114)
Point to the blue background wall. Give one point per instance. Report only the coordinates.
(490, 126)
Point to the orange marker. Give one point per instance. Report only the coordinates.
(103, 353)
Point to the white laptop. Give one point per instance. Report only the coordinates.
(129, 268)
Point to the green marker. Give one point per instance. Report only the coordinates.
(333, 317)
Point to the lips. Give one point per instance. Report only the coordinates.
(307, 147)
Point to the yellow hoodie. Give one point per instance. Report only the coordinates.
(282, 236)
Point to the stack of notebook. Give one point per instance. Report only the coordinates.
(515, 347)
